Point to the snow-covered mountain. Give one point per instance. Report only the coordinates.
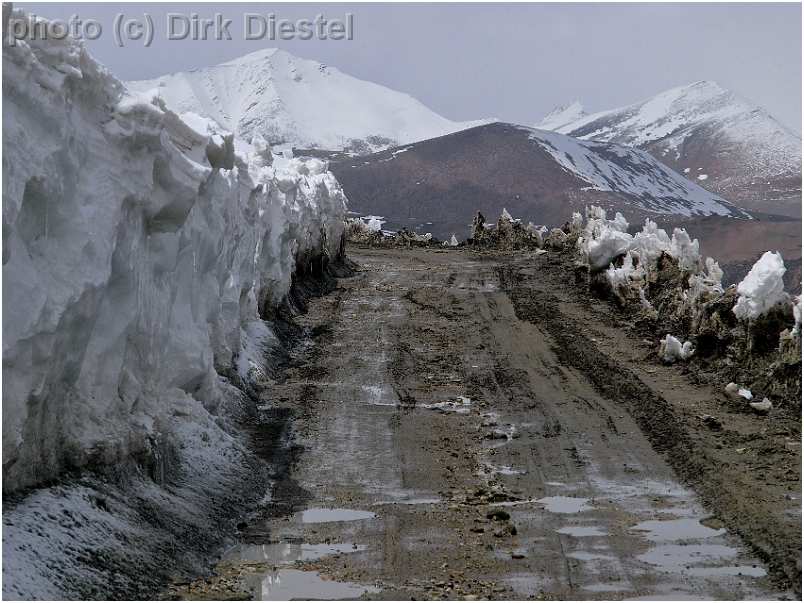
(289, 100)
(723, 142)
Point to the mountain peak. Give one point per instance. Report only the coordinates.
(709, 133)
(562, 115)
(300, 102)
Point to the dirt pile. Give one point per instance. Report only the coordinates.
(507, 234)
(358, 231)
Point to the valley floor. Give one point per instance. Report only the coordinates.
(467, 426)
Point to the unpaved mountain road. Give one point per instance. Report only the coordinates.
(459, 427)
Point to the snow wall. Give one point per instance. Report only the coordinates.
(137, 246)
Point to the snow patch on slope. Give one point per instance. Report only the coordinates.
(290, 100)
(613, 168)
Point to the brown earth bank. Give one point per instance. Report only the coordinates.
(464, 425)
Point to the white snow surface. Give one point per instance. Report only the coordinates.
(300, 102)
(136, 248)
(623, 170)
(762, 288)
(673, 115)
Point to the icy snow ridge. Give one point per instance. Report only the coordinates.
(136, 246)
(303, 103)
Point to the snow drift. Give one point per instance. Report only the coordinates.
(136, 245)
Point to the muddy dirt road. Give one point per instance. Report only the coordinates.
(429, 442)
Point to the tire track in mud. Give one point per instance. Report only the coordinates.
(667, 432)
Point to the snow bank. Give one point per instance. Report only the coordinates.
(136, 246)
(762, 288)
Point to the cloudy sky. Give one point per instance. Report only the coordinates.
(510, 61)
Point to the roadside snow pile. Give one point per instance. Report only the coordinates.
(762, 288)
(139, 251)
(672, 350)
(132, 255)
(668, 285)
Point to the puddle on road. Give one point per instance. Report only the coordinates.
(676, 529)
(674, 557)
(287, 552)
(322, 515)
(565, 504)
(609, 587)
(290, 584)
(582, 531)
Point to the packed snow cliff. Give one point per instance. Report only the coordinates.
(140, 252)
(137, 246)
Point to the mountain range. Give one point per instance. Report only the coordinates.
(711, 135)
(697, 154)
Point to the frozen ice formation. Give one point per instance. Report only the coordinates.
(137, 245)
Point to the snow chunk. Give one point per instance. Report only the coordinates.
(736, 392)
(762, 407)
(762, 288)
(671, 349)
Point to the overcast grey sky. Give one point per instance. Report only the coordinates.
(511, 61)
